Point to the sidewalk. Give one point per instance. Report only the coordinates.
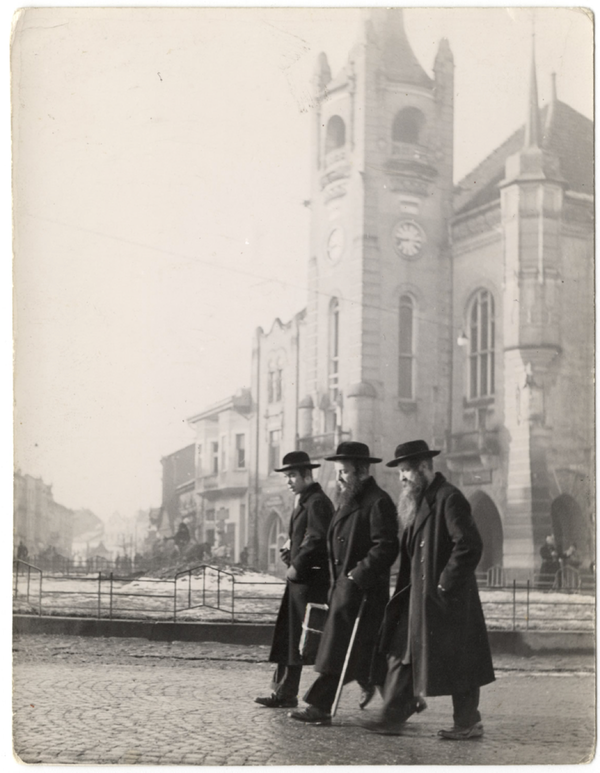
(128, 701)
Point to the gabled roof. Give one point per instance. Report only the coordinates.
(566, 133)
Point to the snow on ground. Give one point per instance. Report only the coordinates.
(243, 595)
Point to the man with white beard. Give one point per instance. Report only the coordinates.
(433, 632)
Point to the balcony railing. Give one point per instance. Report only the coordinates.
(319, 446)
(477, 442)
(335, 157)
(209, 481)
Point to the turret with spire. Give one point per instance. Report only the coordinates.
(531, 204)
(533, 161)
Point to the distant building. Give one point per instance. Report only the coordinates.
(178, 501)
(88, 531)
(222, 473)
(40, 523)
(462, 314)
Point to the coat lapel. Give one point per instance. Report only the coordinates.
(425, 509)
(420, 519)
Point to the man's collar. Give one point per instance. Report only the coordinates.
(432, 489)
(310, 489)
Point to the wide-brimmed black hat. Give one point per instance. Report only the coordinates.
(354, 451)
(295, 460)
(411, 450)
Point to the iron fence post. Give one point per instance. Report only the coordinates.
(218, 589)
(190, 589)
(110, 602)
(175, 599)
(514, 605)
(99, 595)
(232, 599)
(527, 617)
(28, 582)
(204, 586)
(40, 598)
(16, 578)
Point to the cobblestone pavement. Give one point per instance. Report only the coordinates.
(131, 701)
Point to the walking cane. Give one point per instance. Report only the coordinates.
(338, 693)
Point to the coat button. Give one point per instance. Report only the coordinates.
(422, 543)
(337, 562)
(423, 560)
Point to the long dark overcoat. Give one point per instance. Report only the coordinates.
(363, 542)
(443, 631)
(308, 554)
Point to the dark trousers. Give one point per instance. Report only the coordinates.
(399, 700)
(286, 681)
(322, 691)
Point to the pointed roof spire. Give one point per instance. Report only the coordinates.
(399, 60)
(533, 129)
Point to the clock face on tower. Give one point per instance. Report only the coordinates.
(335, 245)
(408, 238)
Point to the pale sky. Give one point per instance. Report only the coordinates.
(161, 159)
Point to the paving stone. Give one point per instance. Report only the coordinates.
(105, 704)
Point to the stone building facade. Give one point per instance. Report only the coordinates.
(462, 314)
(40, 523)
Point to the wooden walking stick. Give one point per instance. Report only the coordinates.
(338, 693)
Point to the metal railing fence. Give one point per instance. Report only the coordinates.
(24, 570)
(207, 593)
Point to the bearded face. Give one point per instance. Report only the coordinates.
(413, 483)
(348, 481)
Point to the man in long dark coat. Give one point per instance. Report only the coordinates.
(362, 544)
(434, 632)
(307, 576)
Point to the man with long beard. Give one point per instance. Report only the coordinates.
(434, 633)
(362, 544)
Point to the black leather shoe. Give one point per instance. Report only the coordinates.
(274, 702)
(312, 715)
(366, 696)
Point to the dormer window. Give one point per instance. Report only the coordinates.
(336, 134)
(408, 126)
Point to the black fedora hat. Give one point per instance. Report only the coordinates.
(352, 450)
(411, 450)
(295, 460)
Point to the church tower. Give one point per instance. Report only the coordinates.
(378, 328)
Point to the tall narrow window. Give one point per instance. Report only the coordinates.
(240, 451)
(406, 354)
(481, 352)
(334, 349)
(223, 452)
(274, 385)
(336, 134)
(215, 456)
(274, 446)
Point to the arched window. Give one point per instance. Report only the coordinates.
(336, 134)
(481, 353)
(334, 349)
(408, 125)
(406, 347)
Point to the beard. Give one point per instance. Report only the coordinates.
(410, 499)
(349, 492)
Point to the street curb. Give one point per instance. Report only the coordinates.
(501, 642)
